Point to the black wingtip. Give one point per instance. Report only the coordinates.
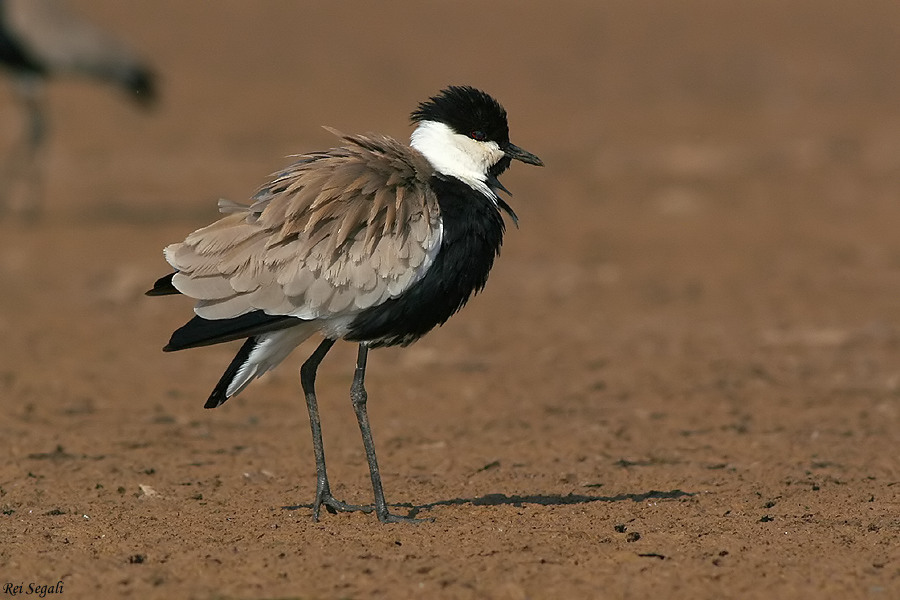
(205, 332)
(220, 393)
(216, 399)
(163, 287)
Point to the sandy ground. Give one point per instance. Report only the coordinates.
(682, 381)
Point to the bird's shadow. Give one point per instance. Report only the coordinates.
(542, 499)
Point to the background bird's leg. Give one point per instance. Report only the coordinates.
(359, 397)
(21, 188)
(323, 490)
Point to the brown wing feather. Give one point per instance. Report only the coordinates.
(337, 231)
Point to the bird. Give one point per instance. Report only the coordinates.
(373, 242)
(42, 39)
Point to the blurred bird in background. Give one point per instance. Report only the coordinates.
(40, 39)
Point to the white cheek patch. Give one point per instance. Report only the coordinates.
(457, 155)
(486, 154)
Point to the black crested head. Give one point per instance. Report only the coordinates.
(141, 83)
(468, 111)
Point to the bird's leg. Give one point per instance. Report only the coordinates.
(359, 397)
(23, 168)
(308, 381)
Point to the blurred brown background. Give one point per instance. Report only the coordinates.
(681, 381)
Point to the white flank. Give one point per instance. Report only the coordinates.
(457, 155)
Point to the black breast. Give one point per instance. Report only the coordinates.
(473, 233)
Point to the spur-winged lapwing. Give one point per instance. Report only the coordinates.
(375, 242)
(41, 39)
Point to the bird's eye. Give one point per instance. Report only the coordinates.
(478, 135)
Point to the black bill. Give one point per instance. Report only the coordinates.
(513, 151)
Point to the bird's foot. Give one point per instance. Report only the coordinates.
(334, 506)
(387, 517)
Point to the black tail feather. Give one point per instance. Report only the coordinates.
(205, 332)
(219, 394)
(163, 287)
